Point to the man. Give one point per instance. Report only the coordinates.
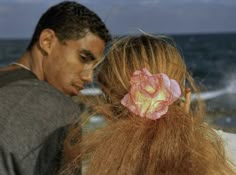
(68, 42)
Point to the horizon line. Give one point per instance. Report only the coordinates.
(119, 35)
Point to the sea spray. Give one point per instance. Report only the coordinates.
(229, 89)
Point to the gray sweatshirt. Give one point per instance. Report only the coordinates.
(30, 110)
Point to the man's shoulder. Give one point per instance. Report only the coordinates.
(22, 85)
(33, 89)
(36, 98)
(12, 75)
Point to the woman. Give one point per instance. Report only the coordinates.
(151, 127)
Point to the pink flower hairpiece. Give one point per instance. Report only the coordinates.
(151, 94)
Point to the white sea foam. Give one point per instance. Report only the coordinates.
(229, 89)
(91, 91)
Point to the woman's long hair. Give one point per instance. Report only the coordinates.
(178, 144)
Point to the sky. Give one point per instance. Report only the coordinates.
(19, 17)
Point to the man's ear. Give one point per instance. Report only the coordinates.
(46, 40)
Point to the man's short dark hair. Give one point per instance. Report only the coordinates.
(70, 21)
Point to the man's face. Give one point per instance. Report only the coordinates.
(70, 64)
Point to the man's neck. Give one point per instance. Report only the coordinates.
(33, 60)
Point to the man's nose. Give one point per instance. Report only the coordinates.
(87, 75)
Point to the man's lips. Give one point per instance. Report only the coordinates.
(77, 88)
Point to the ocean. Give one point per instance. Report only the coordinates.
(211, 59)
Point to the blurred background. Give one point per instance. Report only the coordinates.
(204, 30)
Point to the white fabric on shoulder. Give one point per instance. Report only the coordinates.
(230, 144)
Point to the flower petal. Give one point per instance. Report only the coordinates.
(166, 80)
(175, 88)
(146, 72)
(159, 114)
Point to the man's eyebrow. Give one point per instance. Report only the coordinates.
(88, 54)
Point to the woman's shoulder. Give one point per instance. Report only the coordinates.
(230, 143)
